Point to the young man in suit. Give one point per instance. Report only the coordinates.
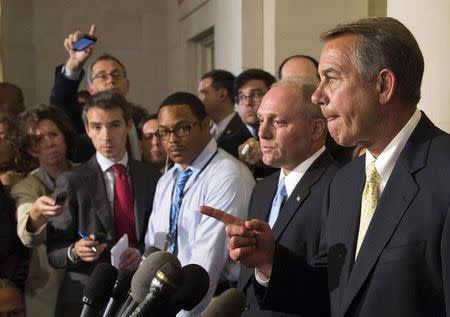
(111, 193)
(385, 246)
(292, 135)
(216, 92)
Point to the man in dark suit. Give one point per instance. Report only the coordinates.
(111, 193)
(385, 244)
(292, 136)
(216, 92)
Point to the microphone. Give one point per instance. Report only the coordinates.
(98, 289)
(189, 294)
(119, 292)
(141, 280)
(127, 302)
(163, 285)
(230, 303)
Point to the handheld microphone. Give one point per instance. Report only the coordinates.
(128, 301)
(98, 289)
(141, 280)
(163, 285)
(230, 303)
(190, 293)
(119, 292)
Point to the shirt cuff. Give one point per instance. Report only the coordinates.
(69, 74)
(262, 278)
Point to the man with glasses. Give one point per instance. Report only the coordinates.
(151, 146)
(202, 174)
(105, 73)
(250, 87)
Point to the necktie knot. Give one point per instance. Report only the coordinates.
(183, 177)
(119, 170)
(372, 174)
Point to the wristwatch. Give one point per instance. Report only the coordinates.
(73, 252)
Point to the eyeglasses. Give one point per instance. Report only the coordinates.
(115, 75)
(254, 97)
(148, 136)
(179, 131)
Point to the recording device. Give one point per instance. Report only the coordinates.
(150, 250)
(119, 292)
(163, 285)
(98, 289)
(230, 303)
(99, 237)
(60, 198)
(84, 42)
(245, 149)
(141, 280)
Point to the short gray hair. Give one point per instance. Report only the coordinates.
(305, 86)
(384, 42)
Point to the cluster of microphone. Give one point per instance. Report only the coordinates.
(160, 287)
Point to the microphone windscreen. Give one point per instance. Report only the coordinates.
(100, 285)
(194, 288)
(230, 303)
(151, 249)
(146, 272)
(122, 285)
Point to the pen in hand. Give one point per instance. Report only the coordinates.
(85, 237)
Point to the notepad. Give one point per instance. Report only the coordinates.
(118, 249)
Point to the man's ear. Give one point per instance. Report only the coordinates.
(386, 85)
(318, 128)
(223, 93)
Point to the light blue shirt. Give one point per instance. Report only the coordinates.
(222, 182)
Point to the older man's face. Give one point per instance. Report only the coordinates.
(348, 101)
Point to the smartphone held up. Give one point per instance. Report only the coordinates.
(84, 42)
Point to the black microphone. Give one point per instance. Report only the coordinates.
(141, 280)
(119, 292)
(190, 293)
(163, 285)
(98, 289)
(230, 303)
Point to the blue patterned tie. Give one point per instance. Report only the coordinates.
(182, 178)
(277, 203)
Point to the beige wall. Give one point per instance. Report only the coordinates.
(429, 21)
(132, 30)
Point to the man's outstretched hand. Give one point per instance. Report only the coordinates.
(250, 242)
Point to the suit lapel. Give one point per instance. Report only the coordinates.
(96, 181)
(300, 193)
(398, 194)
(138, 189)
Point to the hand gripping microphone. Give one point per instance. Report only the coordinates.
(98, 289)
(230, 303)
(163, 285)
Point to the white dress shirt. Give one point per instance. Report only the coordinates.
(220, 181)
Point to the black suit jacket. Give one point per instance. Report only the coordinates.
(88, 209)
(298, 226)
(234, 135)
(403, 266)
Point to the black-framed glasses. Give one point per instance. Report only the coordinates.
(103, 76)
(254, 97)
(180, 130)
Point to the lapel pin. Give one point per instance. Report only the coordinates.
(298, 198)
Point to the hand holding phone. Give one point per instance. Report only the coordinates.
(60, 198)
(84, 42)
